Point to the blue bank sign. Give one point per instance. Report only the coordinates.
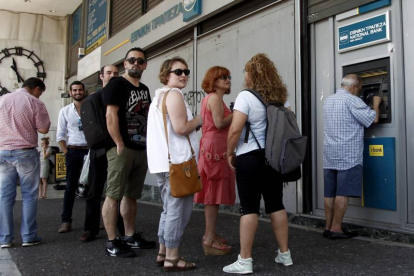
(364, 33)
(189, 8)
(192, 8)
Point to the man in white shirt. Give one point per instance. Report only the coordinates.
(72, 141)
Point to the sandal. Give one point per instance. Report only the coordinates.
(221, 239)
(160, 263)
(222, 249)
(175, 267)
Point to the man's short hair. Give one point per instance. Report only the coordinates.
(32, 83)
(137, 49)
(350, 80)
(76, 83)
(103, 68)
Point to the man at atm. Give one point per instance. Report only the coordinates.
(345, 117)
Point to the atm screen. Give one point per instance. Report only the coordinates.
(368, 92)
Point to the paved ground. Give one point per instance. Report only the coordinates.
(63, 254)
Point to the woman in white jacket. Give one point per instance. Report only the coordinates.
(180, 123)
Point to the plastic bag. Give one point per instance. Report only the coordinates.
(85, 171)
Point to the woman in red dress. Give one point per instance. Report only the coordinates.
(217, 177)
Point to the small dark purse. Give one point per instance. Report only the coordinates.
(184, 177)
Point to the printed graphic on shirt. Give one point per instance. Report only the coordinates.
(136, 115)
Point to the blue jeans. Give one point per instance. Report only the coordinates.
(22, 165)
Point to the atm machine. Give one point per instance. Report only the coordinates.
(375, 82)
(379, 186)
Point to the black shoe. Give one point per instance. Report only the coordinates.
(87, 237)
(326, 233)
(136, 241)
(119, 248)
(339, 235)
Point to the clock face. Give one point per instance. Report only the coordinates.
(10, 54)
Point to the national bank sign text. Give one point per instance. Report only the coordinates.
(189, 9)
(364, 33)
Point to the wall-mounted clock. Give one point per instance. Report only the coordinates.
(20, 51)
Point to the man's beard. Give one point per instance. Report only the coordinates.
(136, 74)
(79, 100)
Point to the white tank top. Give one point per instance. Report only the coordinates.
(157, 150)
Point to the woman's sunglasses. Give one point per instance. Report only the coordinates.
(132, 60)
(179, 72)
(225, 78)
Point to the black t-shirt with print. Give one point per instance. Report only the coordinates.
(133, 105)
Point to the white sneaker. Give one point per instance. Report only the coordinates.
(241, 266)
(284, 258)
(7, 245)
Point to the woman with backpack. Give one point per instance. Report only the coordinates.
(254, 178)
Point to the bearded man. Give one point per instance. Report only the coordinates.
(72, 142)
(127, 103)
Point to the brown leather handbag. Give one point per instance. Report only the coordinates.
(184, 177)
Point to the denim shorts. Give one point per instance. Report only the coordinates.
(343, 183)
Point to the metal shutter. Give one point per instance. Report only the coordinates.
(153, 3)
(73, 60)
(123, 13)
(320, 9)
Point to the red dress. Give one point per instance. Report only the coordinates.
(216, 175)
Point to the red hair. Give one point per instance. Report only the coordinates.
(213, 74)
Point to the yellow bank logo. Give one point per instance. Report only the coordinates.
(376, 150)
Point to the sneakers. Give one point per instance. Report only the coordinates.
(284, 258)
(65, 227)
(119, 248)
(35, 241)
(7, 245)
(136, 241)
(241, 266)
(87, 237)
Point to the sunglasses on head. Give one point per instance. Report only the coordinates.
(225, 78)
(132, 60)
(179, 72)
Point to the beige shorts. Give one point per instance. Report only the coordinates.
(126, 173)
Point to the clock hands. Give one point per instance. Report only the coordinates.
(14, 67)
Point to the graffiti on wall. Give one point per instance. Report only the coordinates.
(193, 99)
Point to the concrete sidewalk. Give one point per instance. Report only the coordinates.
(63, 254)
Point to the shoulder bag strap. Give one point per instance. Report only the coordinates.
(164, 116)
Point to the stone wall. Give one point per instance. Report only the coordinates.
(46, 36)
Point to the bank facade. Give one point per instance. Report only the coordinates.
(313, 43)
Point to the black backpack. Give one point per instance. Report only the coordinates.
(93, 117)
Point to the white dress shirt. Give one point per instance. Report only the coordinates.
(69, 127)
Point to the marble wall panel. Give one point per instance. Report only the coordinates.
(9, 25)
(28, 27)
(52, 31)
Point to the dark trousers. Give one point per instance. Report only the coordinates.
(98, 170)
(74, 162)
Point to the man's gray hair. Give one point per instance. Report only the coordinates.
(350, 80)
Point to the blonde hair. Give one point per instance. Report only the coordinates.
(45, 140)
(264, 78)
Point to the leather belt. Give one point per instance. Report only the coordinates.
(77, 147)
(28, 148)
